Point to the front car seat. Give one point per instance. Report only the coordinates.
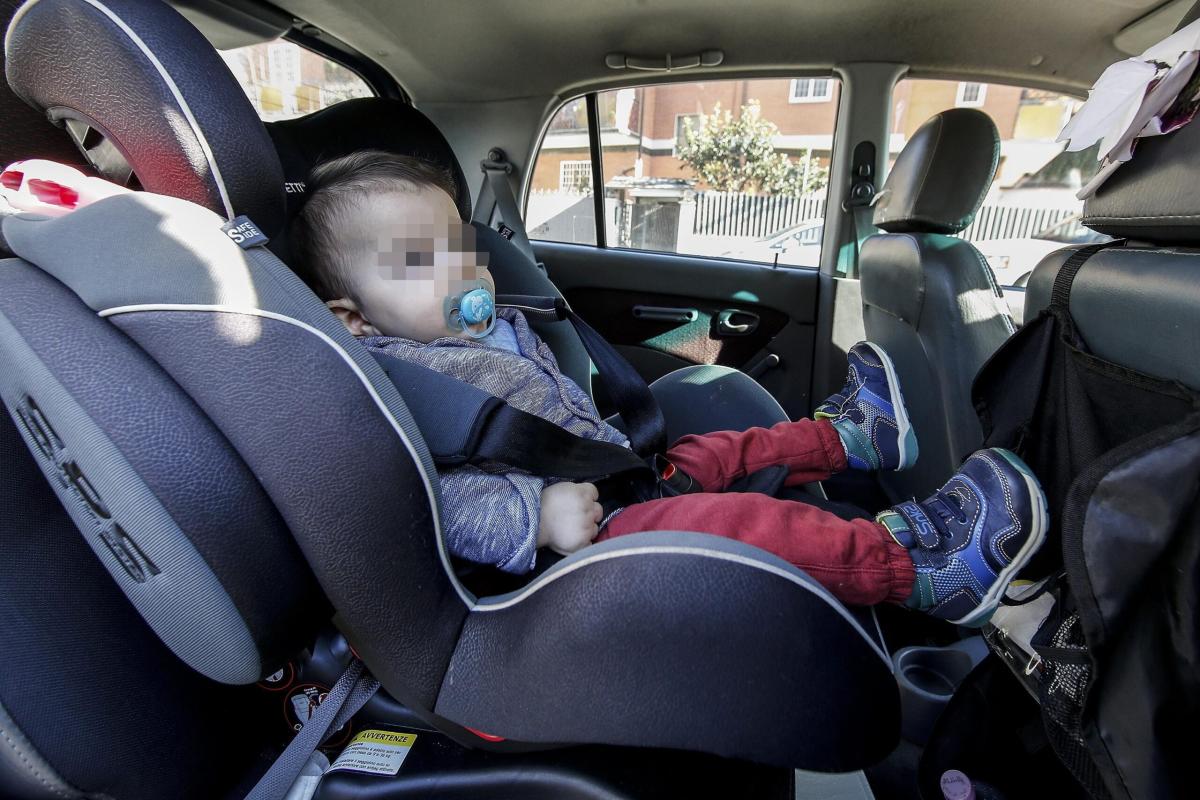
(245, 444)
(930, 299)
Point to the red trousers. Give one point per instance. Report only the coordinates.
(856, 560)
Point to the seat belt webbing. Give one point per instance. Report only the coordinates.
(352, 690)
(646, 427)
(463, 424)
(496, 198)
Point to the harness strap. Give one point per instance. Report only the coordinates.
(463, 424)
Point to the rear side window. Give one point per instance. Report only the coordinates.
(726, 168)
(1030, 209)
(284, 80)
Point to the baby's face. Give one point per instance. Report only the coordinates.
(424, 254)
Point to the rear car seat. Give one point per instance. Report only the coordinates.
(237, 432)
(930, 299)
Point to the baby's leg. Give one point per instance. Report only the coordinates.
(856, 560)
(864, 426)
(811, 450)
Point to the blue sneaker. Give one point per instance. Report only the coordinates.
(972, 536)
(869, 413)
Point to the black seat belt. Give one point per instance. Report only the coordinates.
(463, 424)
(646, 427)
(496, 199)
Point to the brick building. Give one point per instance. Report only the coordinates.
(649, 121)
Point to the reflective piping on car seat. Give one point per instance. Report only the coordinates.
(167, 79)
(554, 574)
(466, 597)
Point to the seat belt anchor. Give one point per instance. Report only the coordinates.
(496, 160)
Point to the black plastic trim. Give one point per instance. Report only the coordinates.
(593, 122)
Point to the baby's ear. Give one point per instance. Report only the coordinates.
(348, 312)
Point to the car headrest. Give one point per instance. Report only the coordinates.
(369, 123)
(941, 176)
(1152, 197)
(140, 89)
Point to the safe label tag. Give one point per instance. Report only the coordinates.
(375, 752)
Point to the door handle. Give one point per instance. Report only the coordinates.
(666, 314)
(735, 322)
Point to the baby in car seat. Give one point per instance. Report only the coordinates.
(381, 241)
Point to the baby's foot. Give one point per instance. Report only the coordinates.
(869, 413)
(972, 536)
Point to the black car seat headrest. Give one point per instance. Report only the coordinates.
(141, 90)
(941, 175)
(369, 123)
(1153, 196)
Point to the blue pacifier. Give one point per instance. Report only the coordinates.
(471, 308)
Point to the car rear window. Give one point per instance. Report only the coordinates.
(284, 80)
(728, 168)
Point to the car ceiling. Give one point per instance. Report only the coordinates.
(465, 51)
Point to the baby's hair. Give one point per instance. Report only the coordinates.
(334, 189)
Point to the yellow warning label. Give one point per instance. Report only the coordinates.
(386, 737)
(376, 752)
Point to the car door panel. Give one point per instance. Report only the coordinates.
(664, 311)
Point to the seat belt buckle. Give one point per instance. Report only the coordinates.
(672, 481)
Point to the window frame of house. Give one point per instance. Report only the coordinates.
(679, 133)
(960, 96)
(579, 166)
(811, 97)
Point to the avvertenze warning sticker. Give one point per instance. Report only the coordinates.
(374, 751)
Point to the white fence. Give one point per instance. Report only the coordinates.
(731, 214)
(709, 222)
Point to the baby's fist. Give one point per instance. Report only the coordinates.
(570, 516)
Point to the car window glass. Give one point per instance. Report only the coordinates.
(726, 168)
(1030, 209)
(284, 80)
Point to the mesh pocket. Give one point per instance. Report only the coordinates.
(1067, 674)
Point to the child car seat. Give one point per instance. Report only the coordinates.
(235, 433)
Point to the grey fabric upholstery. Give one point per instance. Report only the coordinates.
(942, 175)
(931, 300)
(156, 490)
(599, 661)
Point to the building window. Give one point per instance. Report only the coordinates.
(574, 176)
(811, 90)
(970, 95)
(681, 121)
